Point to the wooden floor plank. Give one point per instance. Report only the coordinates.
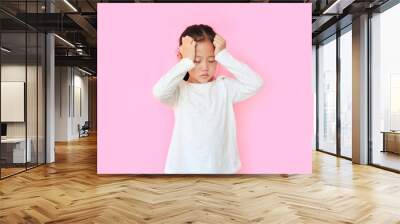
(70, 191)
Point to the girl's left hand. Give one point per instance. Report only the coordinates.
(219, 44)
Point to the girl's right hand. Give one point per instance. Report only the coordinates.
(188, 48)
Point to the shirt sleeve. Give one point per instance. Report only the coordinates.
(247, 82)
(166, 89)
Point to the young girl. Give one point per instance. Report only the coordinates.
(204, 136)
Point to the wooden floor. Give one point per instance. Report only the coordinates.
(387, 159)
(5, 172)
(70, 191)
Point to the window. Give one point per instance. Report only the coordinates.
(327, 95)
(346, 92)
(385, 88)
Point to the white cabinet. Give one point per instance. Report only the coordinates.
(18, 149)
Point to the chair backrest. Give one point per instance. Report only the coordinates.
(86, 124)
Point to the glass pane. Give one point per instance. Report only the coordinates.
(14, 153)
(327, 96)
(386, 89)
(31, 85)
(346, 93)
(41, 98)
(32, 95)
(22, 88)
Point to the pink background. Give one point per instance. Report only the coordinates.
(137, 44)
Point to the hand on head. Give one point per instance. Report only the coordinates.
(219, 44)
(188, 48)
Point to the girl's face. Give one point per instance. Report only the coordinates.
(205, 64)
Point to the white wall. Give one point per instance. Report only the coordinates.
(79, 117)
(70, 83)
(62, 81)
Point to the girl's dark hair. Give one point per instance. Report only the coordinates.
(199, 32)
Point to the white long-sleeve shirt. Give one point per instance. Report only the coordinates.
(204, 136)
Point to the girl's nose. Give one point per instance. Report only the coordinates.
(204, 65)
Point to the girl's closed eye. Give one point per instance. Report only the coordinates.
(198, 61)
(211, 59)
